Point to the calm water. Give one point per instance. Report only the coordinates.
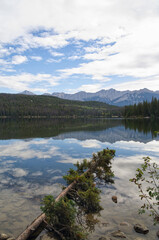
(34, 155)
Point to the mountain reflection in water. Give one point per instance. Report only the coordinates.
(110, 130)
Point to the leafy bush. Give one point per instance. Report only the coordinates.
(147, 181)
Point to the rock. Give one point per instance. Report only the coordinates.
(139, 228)
(118, 234)
(104, 224)
(157, 234)
(104, 238)
(11, 238)
(139, 238)
(124, 224)
(114, 199)
(4, 236)
(47, 237)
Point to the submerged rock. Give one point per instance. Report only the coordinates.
(118, 234)
(124, 224)
(157, 234)
(114, 199)
(104, 224)
(139, 228)
(47, 237)
(139, 238)
(4, 236)
(104, 238)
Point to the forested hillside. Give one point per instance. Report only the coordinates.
(145, 109)
(15, 105)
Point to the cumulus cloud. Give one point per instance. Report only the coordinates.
(19, 172)
(151, 147)
(79, 19)
(4, 51)
(36, 58)
(22, 81)
(91, 143)
(19, 59)
(122, 35)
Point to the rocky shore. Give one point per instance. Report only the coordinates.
(118, 234)
(124, 227)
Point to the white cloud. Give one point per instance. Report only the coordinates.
(151, 83)
(19, 82)
(68, 159)
(19, 172)
(19, 59)
(3, 62)
(75, 57)
(3, 51)
(38, 173)
(36, 58)
(133, 25)
(24, 150)
(56, 54)
(81, 19)
(50, 171)
(46, 41)
(88, 88)
(54, 41)
(51, 60)
(151, 147)
(91, 143)
(56, 178)
(135, 55)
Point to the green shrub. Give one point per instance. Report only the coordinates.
(147, 181)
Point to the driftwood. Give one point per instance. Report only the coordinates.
(37, 222)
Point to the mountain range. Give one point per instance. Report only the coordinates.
(110, 96)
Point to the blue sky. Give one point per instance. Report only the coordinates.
(77, 45)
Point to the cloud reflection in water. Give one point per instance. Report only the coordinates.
(30, 169)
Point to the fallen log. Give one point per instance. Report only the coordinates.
(41, 218)
(36, 223)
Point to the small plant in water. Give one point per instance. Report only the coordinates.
(147, 181)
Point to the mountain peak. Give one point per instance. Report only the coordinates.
(113, 96)
(145, 90)
(26, 92)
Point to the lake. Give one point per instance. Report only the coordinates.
(35, 154)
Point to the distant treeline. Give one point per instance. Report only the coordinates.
(22, 106)
(145, 109)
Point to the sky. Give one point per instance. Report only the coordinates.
(78, 45)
